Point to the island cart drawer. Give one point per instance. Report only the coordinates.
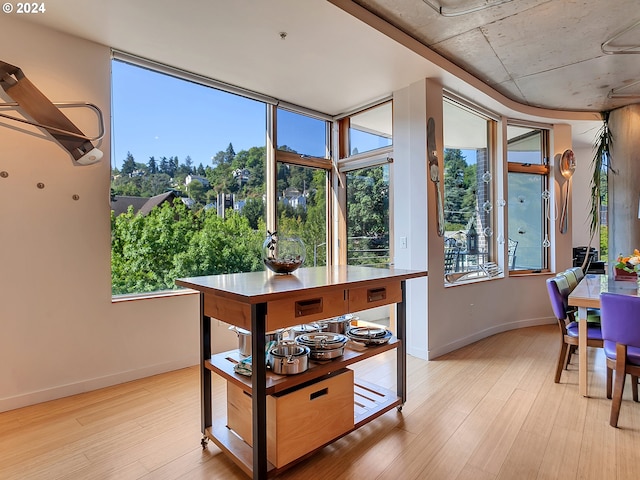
(298, 421)
(374, 296)
(306, 308)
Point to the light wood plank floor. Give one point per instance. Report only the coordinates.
(487, 411)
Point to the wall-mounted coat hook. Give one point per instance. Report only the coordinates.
(47, 116)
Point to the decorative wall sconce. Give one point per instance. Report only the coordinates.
(48, 116)
(567, 167)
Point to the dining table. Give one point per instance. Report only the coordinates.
(587, 295)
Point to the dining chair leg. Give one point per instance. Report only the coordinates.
(618, 385)
(609, 381)
(570, 351)
(562, 358)
(634, 387)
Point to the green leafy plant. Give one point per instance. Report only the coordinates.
(600, 165)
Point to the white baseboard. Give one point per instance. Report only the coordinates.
(31, 398)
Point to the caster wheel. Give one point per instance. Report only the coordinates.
(204, 442)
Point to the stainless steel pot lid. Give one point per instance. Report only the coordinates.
(341, 319)
(371, 340)
(304, 328)
(367, 332)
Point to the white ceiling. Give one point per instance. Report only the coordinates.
(531, 51)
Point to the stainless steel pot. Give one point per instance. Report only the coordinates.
(288, 358)
(339, 324)
(244, 339)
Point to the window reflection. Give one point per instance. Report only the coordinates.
(370, 129)
(301, 134)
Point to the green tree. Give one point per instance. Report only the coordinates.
(254, 211)
(197, 191)
(459, 185)
(129, 186)
(129, 165)
(155, 184)
(368, 216)
(144, 247)
(223, 245)
(164, 166)
(152, 166)
(229, 154)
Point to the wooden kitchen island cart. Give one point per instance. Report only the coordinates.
(262, 302)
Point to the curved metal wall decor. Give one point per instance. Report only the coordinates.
(47, 116)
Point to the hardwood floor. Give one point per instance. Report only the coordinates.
(488, 411)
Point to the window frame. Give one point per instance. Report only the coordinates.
(493, 122)
(544, 170)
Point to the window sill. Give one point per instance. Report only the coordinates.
(528, 273)
(473, 281)
(130, 297)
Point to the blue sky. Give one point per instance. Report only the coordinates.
(155, 114)
(158, 115)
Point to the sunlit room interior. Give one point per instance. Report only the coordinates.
(412, 135)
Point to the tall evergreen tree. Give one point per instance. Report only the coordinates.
(164, 166)
(229, 154)
(129, 165)
(152, 165)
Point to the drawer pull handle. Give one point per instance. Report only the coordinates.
(308, 307)
(376, 294)
(319, 393)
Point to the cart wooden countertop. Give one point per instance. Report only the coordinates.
(260, 287)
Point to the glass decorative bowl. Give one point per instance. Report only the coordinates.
(283, 255)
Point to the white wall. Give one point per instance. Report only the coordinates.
(461, 314)
(409, 201)
(60, 332)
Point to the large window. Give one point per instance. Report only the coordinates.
(365, 156)
(468, 191)
(189, 178)
(528, 204)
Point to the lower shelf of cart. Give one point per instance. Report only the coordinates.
(370, 402)
(223, 364)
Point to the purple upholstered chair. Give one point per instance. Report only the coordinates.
(620, 316)
(558, 288)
